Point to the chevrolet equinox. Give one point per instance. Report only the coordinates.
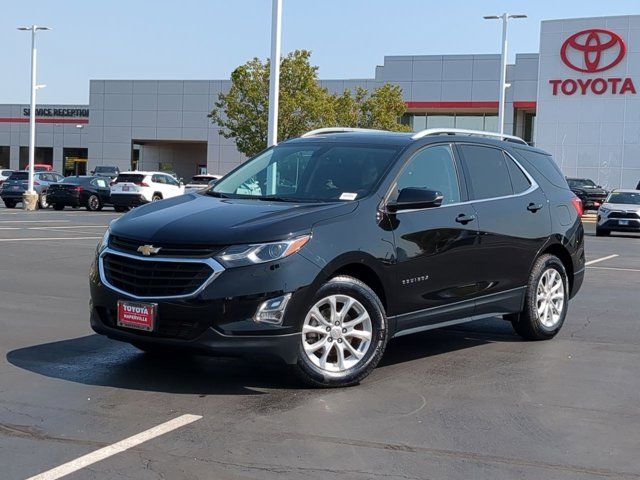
(321, 249)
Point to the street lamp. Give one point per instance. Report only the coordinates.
(505, 17)
(30, 197)
(274, 74)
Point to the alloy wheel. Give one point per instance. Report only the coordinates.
(550, 298)
(336, 333)
(94, 202)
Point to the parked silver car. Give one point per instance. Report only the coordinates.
(619, 213)
(12, 190)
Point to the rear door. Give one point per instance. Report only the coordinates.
(435, 262)
(102, 189)
(513, 219)
(172, 187)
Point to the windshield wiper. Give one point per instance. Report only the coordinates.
(217, 194)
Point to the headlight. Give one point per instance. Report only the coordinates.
(603, 211)
(104, 243)
(241, 255)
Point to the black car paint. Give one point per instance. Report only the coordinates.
(426, 267)
(66, 193)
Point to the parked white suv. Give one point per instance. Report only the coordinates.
(131, 189)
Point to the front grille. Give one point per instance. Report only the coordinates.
(131, 246)
(167, 325)
(153, 278)
(631, 215)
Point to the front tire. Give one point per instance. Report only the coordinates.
(546, 300)
(10, 204)
(343, 335)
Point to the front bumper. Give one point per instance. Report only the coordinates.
(218, 320)
(128, 199)
(619, 224)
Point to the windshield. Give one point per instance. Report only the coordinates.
(309, 173)
(19, 176)
(200, 180)
(581, 183)
(106, 170)
(628, 198)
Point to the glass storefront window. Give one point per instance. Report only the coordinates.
(440, 121)
(470, 122)
(491, 123)
(419, 122)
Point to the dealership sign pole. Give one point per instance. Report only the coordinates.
(274, 74)
(30, 197)
(503, 64)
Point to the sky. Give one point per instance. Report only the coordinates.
(207, 39)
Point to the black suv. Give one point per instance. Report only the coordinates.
(591, 195)
(320, 250)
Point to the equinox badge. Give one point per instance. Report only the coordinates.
(147, 250)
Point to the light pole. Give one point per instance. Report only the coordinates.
(274, 74)
(503, 63)
(30, 197)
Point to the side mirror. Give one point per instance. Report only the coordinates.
(412, 198)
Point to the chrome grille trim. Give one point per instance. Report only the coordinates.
(216, 270)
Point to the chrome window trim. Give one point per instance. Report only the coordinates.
(215, 267)
(532, 188)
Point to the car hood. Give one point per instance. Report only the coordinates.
(621, 206)
(196, 219)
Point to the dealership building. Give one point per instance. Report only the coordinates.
(577, 98)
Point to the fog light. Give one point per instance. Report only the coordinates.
(272, 310)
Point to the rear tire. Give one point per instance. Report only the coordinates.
(120, 209)
(546, 300)
(58, 207)
(93, 203)
(10, 204)
(601, 232)
(156, 197)
(348, 343)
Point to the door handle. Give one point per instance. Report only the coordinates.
(464, 219)
(534, 207)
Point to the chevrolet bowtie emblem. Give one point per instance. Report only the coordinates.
(147, 250)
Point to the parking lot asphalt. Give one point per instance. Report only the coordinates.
(472, 401)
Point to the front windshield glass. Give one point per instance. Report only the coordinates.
(200, 180)
(628, 198)
(579, 183)
(309, 173)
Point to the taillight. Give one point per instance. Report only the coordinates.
(36, 182)
(577, 204)
(78, 189)
(141, 184)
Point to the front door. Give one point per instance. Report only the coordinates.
(435, 266)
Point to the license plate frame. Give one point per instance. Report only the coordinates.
(137, 315)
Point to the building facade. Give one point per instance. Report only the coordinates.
(577, 98)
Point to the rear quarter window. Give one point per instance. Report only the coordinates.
(545, 165)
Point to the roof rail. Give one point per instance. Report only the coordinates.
(459, 131)
(325, 131)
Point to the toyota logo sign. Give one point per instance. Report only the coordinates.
(585, 51)
(591, 51)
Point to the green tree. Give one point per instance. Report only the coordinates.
(242, 112)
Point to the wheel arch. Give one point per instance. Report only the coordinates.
(563, 254)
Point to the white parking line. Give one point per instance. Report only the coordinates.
(35, 221)
(67, 227)
(615, 268)
(32, 239)
(598, 260)
(119, 447)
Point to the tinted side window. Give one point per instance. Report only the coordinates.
(158, 179)
(545, 164)
(488, 172)
(171, 181)
(519, 180)
(432, 168)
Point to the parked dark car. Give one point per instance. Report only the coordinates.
(14, 187)
(109, 171)
(346, 240)
(592, 195)
(93, 193)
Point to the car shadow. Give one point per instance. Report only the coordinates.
(97, 360)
